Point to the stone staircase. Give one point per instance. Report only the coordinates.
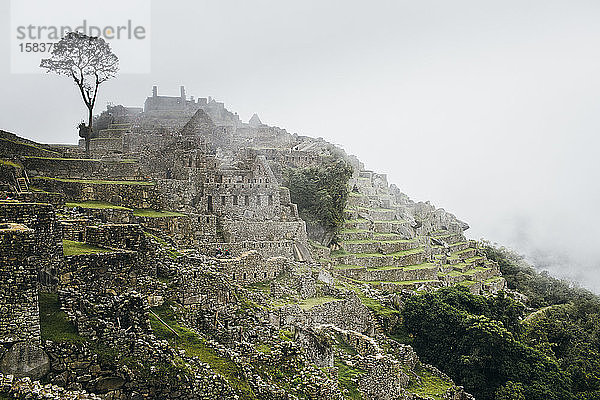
(22, 185)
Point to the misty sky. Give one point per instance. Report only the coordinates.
(489, 109)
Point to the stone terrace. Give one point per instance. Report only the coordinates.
(394, 245)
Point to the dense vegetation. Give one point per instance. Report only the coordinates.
(490, 345)
(321, 191)
(541, 289)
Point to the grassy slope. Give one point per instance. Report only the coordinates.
(71, 248)
(95, 205)
(195, 346)
(54, 323)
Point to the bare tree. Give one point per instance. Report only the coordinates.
(90, 62)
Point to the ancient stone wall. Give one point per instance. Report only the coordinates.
(137, 142)
(82, 168)
(112, 215)
(251, 267)
(348, 314)
(114, 270)
(385, 378)
(362, 344)
(317, 347)
(104, 146)
(280, 248)
(19, 313)
(188, 230)
(56, 199)
(391, 275)
(179, 195)
(25, 388)
(127, 194)
(384, 260)
(48, 237)
(12, 146)
(8, 173)
(120, 236)
(245, 196)
(74, 229)
(196, 286)
(239, 230)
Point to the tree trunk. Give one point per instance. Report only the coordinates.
(88, 137)
(90, 119)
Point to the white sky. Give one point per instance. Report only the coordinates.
(487, 108)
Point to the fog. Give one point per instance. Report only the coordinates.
(487, 109)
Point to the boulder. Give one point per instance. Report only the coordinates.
(25, 360)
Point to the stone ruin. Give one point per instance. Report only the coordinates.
(180, 213)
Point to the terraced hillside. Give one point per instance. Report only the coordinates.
(393, 244)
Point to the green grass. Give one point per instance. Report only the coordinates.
(147, 212)
(123, 161)
(403, 283)
(9, 164)
(346, 266)
(377, 307)
(476, 269)
(378, 209)
(442, 235)
(28, 145)
(96, 205)
(195, 346)
(263, 348)
(372, 241)
(407, 268)
(453, 273)
(389, 221)
(72, 248)
(374, 305)
(62, 159)
(171, 251)
(396, 254)
(346, 378)
(354, 231)
(97, 182)
(54, 323)
(463, 251)
(359, 241)
(339, 253)
(309, 303)
(431, 385)
(388, 235)
(355, 220)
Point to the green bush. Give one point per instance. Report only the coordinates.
(321, 192)
(467, 336)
